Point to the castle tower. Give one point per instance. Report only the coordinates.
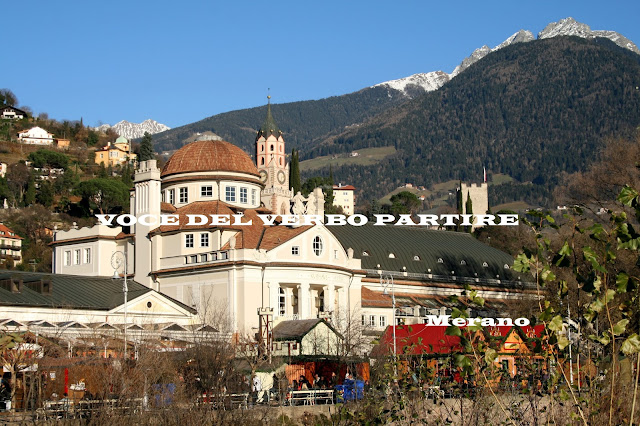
(272, 165)
(145, 202)
(479, 195)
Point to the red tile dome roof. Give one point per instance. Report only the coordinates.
(209, 155)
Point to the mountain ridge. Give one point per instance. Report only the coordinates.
(135, 130)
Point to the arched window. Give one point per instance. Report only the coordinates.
(440, 260)
(261, 148)
(392, 256)
(485, 265)
(416, 258)
(317, 246)
(272, 147)
(463, 262)
(262, 161)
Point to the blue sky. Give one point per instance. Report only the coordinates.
(178, 62)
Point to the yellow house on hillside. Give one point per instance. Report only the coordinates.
(116, 154)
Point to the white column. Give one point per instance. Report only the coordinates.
(289, 298)
(303, 300)
(273, 296)
(342, 301)
(330, 298)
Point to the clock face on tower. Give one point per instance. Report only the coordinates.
(281, 177)
(263, 176)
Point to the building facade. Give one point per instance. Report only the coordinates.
(36, 136)
(344, 196)
(10, 246)
(8, 112)
(116, 154)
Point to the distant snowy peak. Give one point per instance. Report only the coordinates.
(134, 130)
(571, 27)
(521, 36)
(417, 83)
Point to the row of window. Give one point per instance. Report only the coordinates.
(78, 258)
(374, 321)
(272, 149)
(189, 240)
(206, 257)
(317, 247)
(207, 191)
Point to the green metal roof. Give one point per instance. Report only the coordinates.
(71, 291)
(269, 126)
(424, 251)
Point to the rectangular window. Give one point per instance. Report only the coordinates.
(230, 194)
(193, 259)
(364, 320)
(253, 197)
(206, 191)
(282, 302)
(188, 241)
(383, 321)
(204, 239)
(335, 254)
(87, 255)
(184, 195)
(164, 196)
(243, 195)
(204, 257)
(67, 258)
(295, 250)
(372, 320)
(172, 196)
(76, 257)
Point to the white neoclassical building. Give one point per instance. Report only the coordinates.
(296, 272)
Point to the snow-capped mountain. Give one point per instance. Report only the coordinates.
(135, 130)
(427, 82)
(571, 27)
(423, 82)
(521, 36)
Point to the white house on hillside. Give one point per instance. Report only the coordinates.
(35, 136)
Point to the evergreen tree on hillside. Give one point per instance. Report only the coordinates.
(30, 193)
(468, 207)
(294, 172)
(146, 148)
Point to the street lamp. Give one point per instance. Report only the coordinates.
(385, 282)
(119, 259)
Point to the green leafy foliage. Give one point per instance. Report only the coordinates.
(104, 195)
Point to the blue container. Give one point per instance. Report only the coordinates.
(353, 390)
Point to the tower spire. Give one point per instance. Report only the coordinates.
(269, 126)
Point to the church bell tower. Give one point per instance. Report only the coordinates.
(272, 165)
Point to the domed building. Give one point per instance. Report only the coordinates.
(254, 274)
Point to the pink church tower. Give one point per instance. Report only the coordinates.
(272, 165)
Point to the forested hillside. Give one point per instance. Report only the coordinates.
(531, 110)
(303, 123)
